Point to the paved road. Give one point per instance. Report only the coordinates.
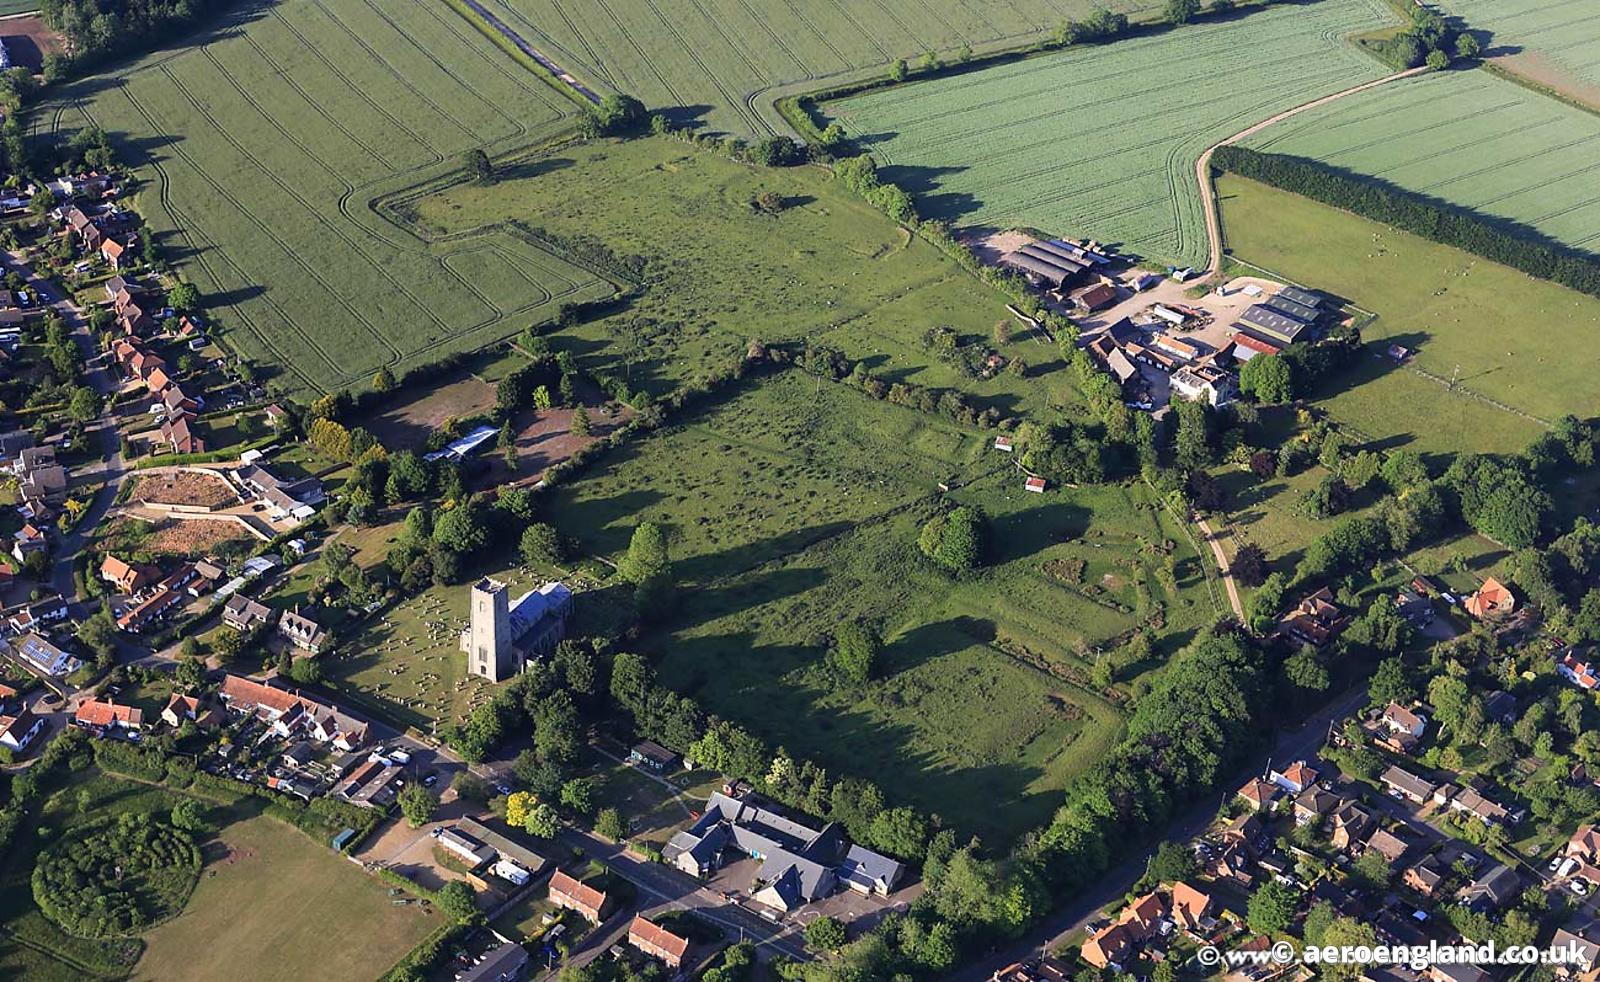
(1223, 568)
(1291, 745)
(1202, 167)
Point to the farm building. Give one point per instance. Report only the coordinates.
(1290, 308)
(1303, 297)
(1042, 271)
(1262, 319)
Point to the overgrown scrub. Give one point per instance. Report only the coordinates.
(116, 879)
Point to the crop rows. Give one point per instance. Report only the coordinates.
(1101, 142)
(707, 60)
(264, 148)
(1469, 139)
(1564, 33)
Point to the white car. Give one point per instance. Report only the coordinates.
(1578, 887)
(1554, 864)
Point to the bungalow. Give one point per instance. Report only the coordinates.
(1472, 802)
(571, 894)
(125, 577)
(1402, 720)
(302, 632)
(653, 756)
(18, 729)
(1492, 601)
(657, 941)
(1295, 778)
(180, 436)
(1579, 672)
(106, 717)
(1406, 784)
(245, 615)
(372, 785)
(1424, 876)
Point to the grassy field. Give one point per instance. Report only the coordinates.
(278, 906)
(707, 61)
(1469, 139)
(261, 148)
(718, 272)
(1555, 42)
(1464, 316)
(794, 506)
(1101, 142)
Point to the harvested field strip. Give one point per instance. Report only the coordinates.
(1566, 32)
(1481, 143)
(265, 147)
(1092, 142)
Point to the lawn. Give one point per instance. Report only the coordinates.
(280, 906)
(1101, 141)
(1487, 325)
(794, 506)
(260, 150)
(718, 272)
(1467, 138)
(712, 62)
(1554, 42)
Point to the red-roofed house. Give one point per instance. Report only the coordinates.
(104, 716)
(1492, 601)
(1580, 673)
(568, 892)
(1190, 907)
(124, 576)
(657, 942)
(1295, 778)
(113, 251)
(1258, 793)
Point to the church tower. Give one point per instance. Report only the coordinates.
(491, 651)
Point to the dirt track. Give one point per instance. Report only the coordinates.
(1202, 167)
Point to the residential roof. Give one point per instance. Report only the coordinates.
(867, 868)
(1493, 599)
(1387, 845)
(96, 712)
(1401, 716)
(657, 937)
(1406, 781)
(578, 892)
(1258, 792)
(505, 961)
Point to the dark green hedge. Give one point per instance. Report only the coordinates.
(1417, 214)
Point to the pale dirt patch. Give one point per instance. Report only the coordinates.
(1543, 70)
(184, 488)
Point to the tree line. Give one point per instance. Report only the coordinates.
(1417, 214)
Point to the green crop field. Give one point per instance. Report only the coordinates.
(795, 504)
(719, 273)
(261, 151)
(1101, 142)
(1488, 326)
(1466, 138)
(1556, 42)
(713, 62)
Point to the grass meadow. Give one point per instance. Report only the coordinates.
(260, 148)
(1101, 141)
(793, 506)
(709, 62)
(719, 273)
(277, 905)
(1467, 138)
(1507, 337)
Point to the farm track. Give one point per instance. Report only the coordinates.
(1202, 167)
